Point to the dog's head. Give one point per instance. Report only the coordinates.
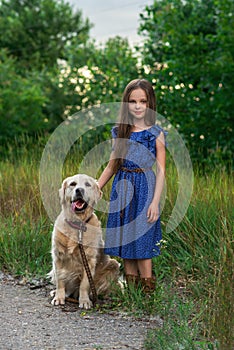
(79, 194)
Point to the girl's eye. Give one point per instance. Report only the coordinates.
(142, 102)
(73, 184)
(87, 184)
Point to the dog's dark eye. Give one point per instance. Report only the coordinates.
(87, 184)
(73, 184)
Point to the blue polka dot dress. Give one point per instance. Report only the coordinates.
(128, 234)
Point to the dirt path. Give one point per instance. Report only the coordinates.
(29, 321)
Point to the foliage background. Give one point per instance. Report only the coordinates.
(50, 69)
(189, 52)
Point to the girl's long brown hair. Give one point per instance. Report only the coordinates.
(126, 121)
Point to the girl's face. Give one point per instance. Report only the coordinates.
(137, 103)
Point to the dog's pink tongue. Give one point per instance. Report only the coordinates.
(79, 205)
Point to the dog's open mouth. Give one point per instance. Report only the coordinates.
(79, 205)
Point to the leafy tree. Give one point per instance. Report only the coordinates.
(22, 100)
(50, 68)
(118, 65)
(103, 78)
(37, 35)
(36, 32)
(189, 54)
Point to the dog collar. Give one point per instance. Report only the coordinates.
(78, 225)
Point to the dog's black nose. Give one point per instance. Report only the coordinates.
(80, 192)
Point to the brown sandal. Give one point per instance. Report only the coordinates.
(132, 280)
(148, 284)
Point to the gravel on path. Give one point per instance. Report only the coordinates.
(29, 321)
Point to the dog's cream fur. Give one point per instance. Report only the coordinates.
(68, 272)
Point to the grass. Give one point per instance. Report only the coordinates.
(194, 296)
(25, 247)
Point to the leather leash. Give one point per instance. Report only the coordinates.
(81, 227)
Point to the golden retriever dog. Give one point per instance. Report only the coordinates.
(78, 196)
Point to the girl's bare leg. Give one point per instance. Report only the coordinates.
(145, 267)
(131, 267)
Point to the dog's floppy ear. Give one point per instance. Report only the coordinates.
(62, 191)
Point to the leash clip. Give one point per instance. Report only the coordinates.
(80, 236)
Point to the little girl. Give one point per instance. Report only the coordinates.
(133, 226)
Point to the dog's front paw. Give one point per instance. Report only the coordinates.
(85, 303)
(59, 299)
(52, 293)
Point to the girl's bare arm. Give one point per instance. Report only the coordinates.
(153, 211)
(106, 174)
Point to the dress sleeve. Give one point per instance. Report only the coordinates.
(156, 131)
(114, 132)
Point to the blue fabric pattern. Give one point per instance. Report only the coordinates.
(128, 234)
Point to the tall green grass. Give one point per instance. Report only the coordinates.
(200, 254)
(196, 263)
(25, 231)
